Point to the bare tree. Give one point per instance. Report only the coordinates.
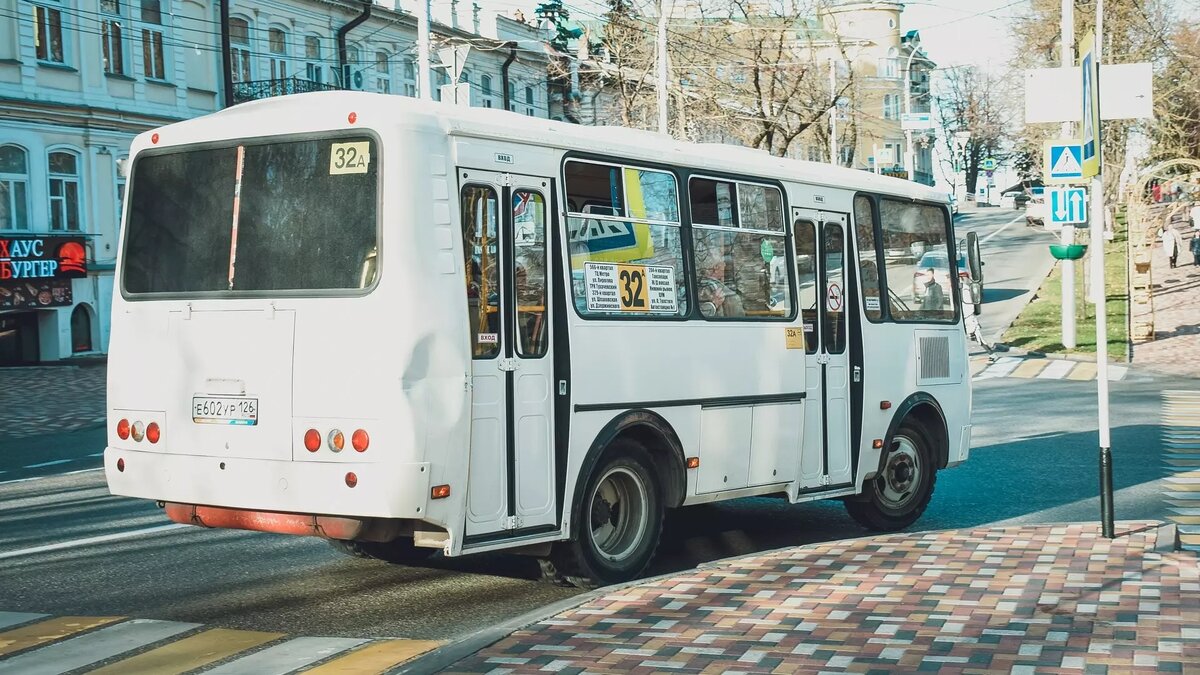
(974, 106)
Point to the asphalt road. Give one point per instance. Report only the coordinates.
(69, 548)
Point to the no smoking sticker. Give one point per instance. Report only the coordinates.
(834, 298)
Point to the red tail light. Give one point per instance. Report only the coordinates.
(123, 430)
(360, 440)
(312, 440)
(153, 433)
(351, 479)
(440, 492)
(121, 465)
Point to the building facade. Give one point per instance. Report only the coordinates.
(80, 78)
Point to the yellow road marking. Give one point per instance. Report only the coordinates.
(376, 657)
(1029, 368)
(49, 631)
(1084, 370)
(189, 653)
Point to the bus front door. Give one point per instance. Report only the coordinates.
(510, 484)
(825, 294)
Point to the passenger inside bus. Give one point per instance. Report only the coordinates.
(717, 299)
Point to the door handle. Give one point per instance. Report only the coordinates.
(507, 365)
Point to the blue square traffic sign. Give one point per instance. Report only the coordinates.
(1068, 205)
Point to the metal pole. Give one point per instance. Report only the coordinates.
(661, 85)
(424, 68)
(1097, 231)
(833, 110)
(908, 149)
(1068, 231)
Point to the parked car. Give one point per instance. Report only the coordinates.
(938, 261)
(1035, 211)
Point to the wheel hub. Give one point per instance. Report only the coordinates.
(901, 474)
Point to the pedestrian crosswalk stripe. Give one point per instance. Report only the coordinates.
(94, 647)
(190, 653)
(1083, 371)
(1041, 369)
(16, 618)
(1181, 436)
(49, 630)
(1056, 369)
(1029, 369)
(287, 657)
(375, 657)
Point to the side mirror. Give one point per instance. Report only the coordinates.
(974, 258)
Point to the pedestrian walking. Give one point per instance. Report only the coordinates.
(1172, 243)
(1194, 213)
(1196, 249)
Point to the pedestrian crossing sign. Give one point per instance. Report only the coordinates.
(1063, 162)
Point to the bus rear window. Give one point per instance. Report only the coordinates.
(254, 218)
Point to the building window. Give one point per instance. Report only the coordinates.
(277, 43)
(153, 63)
(112, 37)
(529, 101)
(81, 329)
(352, 68)
(14, 188)
(239, 49)
(312, 53)
(383, 70)
(47, 34)
(64, 191)
(410, 79)
(485, 85)
(512, 97)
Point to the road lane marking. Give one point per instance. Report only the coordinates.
(376, 657)
(94, 647)
(287, 657)
(53, 463)
(1002, 228)
(74, 543)
(16, 618)
(48, 631)
(190, 653)
(53, 475)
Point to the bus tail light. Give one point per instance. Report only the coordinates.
(693, 462)
(877, 443)
(440, 491)
(312, 440)
(123, 429)
(153, 432)
(360, 440)
(885, 405)
(121, 465)
(351, 479)
(138, 431)
(337, 441)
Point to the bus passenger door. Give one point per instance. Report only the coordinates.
(820, 240)
(510, 484)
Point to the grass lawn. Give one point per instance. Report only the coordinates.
(1039, 327)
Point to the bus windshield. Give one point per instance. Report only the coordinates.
(254, 217)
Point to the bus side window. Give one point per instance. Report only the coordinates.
(481, 256)
(806, 281)
(529, 226)
(864, 230)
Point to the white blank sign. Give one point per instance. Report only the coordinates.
(1055, 94)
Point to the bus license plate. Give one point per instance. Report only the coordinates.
(224, 410)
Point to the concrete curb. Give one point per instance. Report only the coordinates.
(1168, 539)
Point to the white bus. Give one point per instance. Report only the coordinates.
(409, 327)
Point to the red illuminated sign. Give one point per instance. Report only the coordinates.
(37, 271)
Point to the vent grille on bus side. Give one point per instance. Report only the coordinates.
(934, 358)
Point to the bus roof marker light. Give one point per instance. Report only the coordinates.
(360, 440)
(352, 117)
(154, 138)
(440, 492)
(337, 440)
(693, 462)
(312, 440)
(351, 479)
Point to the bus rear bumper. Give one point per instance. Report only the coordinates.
(380, 490)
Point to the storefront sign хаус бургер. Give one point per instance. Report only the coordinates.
(36, 272)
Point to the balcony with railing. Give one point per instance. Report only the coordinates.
(259, 89)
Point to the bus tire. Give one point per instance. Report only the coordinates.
(897, 497)
(399, 551)
(617, 530)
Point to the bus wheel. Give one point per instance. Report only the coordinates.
(618, 527)
(399, 551)
(895, 498)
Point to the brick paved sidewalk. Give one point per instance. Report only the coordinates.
(1176, 345)
(51, 399)
(1004, 600)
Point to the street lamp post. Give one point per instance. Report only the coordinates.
(914, 47)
